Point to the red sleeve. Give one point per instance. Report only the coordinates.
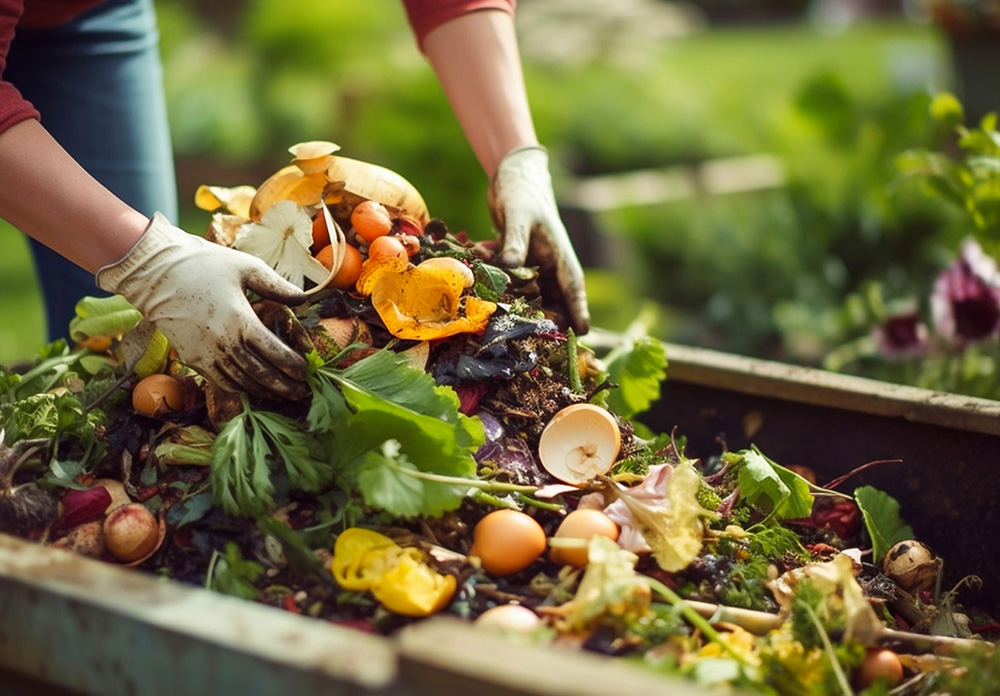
(13, 107)
(426, 15)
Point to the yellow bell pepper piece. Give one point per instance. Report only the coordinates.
(359, 559)
(413, 588)
(401, 579)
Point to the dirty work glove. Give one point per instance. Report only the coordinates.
(524, 210)
(194, 292)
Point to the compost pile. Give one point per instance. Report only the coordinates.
(458, 451)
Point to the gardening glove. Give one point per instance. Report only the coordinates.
(524, 210)
(194, 292)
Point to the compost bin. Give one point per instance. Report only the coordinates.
(73, 625)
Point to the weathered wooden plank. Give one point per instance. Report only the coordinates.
(807, 385)
(100, 629)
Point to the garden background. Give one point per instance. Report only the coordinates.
(728, 169)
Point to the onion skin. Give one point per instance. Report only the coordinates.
(158, 394)
(131, 532)
(363, 181)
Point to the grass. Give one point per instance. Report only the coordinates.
(22, 317)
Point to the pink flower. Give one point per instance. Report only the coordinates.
(965, 303)
(902, 334)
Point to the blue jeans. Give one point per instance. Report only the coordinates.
(97, 83)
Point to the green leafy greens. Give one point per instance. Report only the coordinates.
(771, 488)
(251, 449)
(881, 514)
(358, 408)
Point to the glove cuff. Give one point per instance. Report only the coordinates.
(157, 237)
(522, 154)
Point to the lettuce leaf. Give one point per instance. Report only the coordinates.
(881, 514)
(773, 489)
(383, 398)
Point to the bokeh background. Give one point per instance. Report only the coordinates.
(727, 168)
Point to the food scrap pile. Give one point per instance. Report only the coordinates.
(459, 452)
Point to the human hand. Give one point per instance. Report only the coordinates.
(194, 292)
(524, 209)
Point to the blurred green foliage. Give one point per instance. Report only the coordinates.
(761, 273)
(942, 336)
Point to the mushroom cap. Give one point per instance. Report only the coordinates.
(580, 443)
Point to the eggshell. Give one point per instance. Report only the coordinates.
(507, 541)
(510, 617)
(581, 524)
(579, 443)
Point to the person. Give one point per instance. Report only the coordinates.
(93, 187)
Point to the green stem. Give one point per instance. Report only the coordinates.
(573, 368)
(211, 569)
(535, 502)
(459, 481)
(488, 499)
(111, 390)
(58, 365)
(695, 619)
(191, 494)
(845, 687)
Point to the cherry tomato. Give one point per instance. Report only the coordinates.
(382, 247)
(371, 220)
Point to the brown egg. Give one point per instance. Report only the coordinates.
(158, 394)
(506, 541)
(880, 665)
(582, 525)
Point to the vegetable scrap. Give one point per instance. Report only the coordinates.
(460, 453)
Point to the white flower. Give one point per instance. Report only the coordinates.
(282, 239)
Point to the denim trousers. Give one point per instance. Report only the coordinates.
(98, 84)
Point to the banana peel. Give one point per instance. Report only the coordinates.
(353, 181)
(289, 183)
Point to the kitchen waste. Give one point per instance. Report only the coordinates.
(460, 452)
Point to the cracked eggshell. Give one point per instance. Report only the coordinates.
(580, 443)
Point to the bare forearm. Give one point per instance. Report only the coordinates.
(48, 196)
(476, 60)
